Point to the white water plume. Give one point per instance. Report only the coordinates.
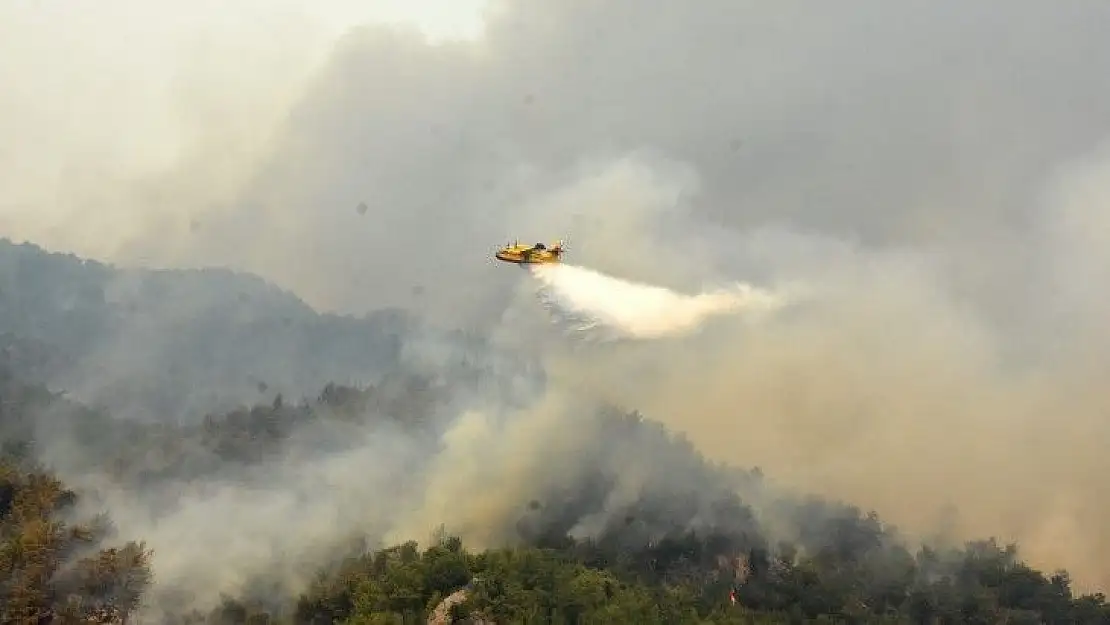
(600, 305)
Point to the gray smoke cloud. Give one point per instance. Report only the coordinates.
(933, 171)
(888, 386)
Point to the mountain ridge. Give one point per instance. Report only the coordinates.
(232, 333)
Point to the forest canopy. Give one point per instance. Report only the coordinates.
(844, 565)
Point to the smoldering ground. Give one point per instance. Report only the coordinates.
(893, 157)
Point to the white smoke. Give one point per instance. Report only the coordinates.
(603, 307)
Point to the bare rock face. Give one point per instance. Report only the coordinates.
(442, 614)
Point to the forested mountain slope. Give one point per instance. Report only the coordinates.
(298, 508)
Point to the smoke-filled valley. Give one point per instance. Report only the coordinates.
(821, 261)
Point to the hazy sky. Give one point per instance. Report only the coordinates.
(131, 112)
(941, 166)
(247, 134)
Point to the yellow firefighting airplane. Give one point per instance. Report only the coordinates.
(537, 254)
